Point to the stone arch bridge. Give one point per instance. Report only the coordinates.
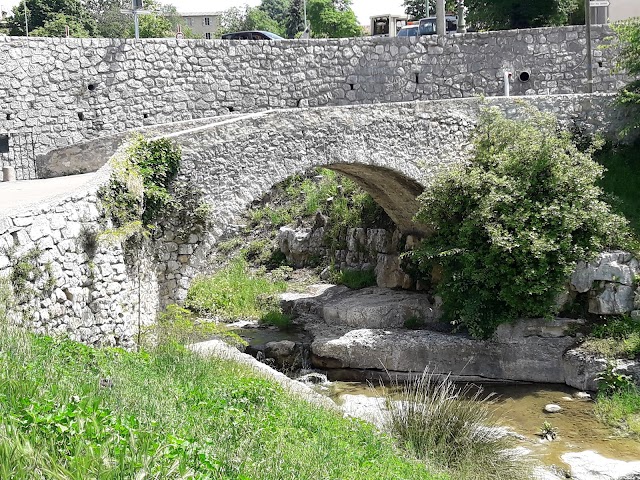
(392, 150)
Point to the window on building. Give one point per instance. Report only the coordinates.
(206, 21)
(207, 36)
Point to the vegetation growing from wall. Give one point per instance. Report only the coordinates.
(510, 225)
(69, 411)
(628, 58)
(142, 191)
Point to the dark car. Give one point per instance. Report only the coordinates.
(251, 35)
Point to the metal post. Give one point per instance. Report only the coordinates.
(462, 20)
(305, 15)
(587, 20)
(136, 25)
(427, 7)
(441, 25)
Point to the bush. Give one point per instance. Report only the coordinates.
(510, 225)
(629, 60)
(451, 428)
(355, 279)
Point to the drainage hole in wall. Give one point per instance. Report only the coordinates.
(231, 109)
(417, 77)
(91, 87)
(4, 143)
(146, 115)
(600, 63)
(524, 76)
(298, 102)
(80, 116)
(8, 116)
(352, 86)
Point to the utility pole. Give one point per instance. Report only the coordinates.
(587, 20)
(136, 8)
(26, 21)
(427, 7)
(441, 24)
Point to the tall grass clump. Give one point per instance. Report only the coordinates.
(233, 292)
(451, 428)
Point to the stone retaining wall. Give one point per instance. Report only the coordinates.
(64, 91)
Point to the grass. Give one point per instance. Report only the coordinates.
(233, 292)
(451, 428)
(622, 181)
(621, 410)
(617, 337)
(169, 414)
(355, 279)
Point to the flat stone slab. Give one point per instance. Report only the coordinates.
(511, 357)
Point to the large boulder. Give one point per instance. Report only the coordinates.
(582, 368)
(610, 279)
(514, 353)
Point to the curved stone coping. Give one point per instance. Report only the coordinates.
(218, 348)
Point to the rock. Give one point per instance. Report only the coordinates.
(369, 409)
(635, 315)
(313, 378)
(552, 408)
(285, 353)
(613, 299)
(525, 358)
(582, 396)
(581, 368)
(389, 274)
(589, 465)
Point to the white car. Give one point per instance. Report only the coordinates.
(408, 31)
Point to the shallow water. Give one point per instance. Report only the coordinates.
(521, 407)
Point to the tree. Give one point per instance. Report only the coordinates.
(258, 19)
(510, 225)
(629, 61)
(56, 27)
(39, 12)
(233, 19)
(416, 9)
(295, 19)
(278, 10)
(511, 14)
(333, 19)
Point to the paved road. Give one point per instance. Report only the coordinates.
(24, 193)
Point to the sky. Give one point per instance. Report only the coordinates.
(362, 8)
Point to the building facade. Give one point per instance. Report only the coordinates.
(203, 23)
(615, 11)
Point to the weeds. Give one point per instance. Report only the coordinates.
(232, 292)
(355, 279)
(616, 338)
(451, 428)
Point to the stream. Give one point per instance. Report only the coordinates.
(519, 407)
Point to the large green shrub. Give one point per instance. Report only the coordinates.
(628, 60)
(510, 225)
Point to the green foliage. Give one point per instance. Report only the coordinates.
(232, 292)
(355, 279)
(611, 381)
(617, 337)
(621, 181)
(169, 414)
(332, 19)
(295, 19)
(277, 319)
(416, 9)
(512, 14)
(451, 428)
(621, 409)
(30, 278)
(510, 225)
(179, 325)
(56, 27)
(414, 323)
(628, 60)
(548, 431)
(40, 13)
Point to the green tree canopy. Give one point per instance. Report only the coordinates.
(39, 12)
(332, 19)
(511, 14)
(510, 226)
(295, 19)
(278, 10)
(416, 9)
(56, 27)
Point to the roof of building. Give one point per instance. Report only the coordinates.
(199, 14)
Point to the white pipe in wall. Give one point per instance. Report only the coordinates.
(507, 85)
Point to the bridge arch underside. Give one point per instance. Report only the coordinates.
(394, 192)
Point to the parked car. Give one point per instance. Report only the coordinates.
(251, 35)
(409, 31)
